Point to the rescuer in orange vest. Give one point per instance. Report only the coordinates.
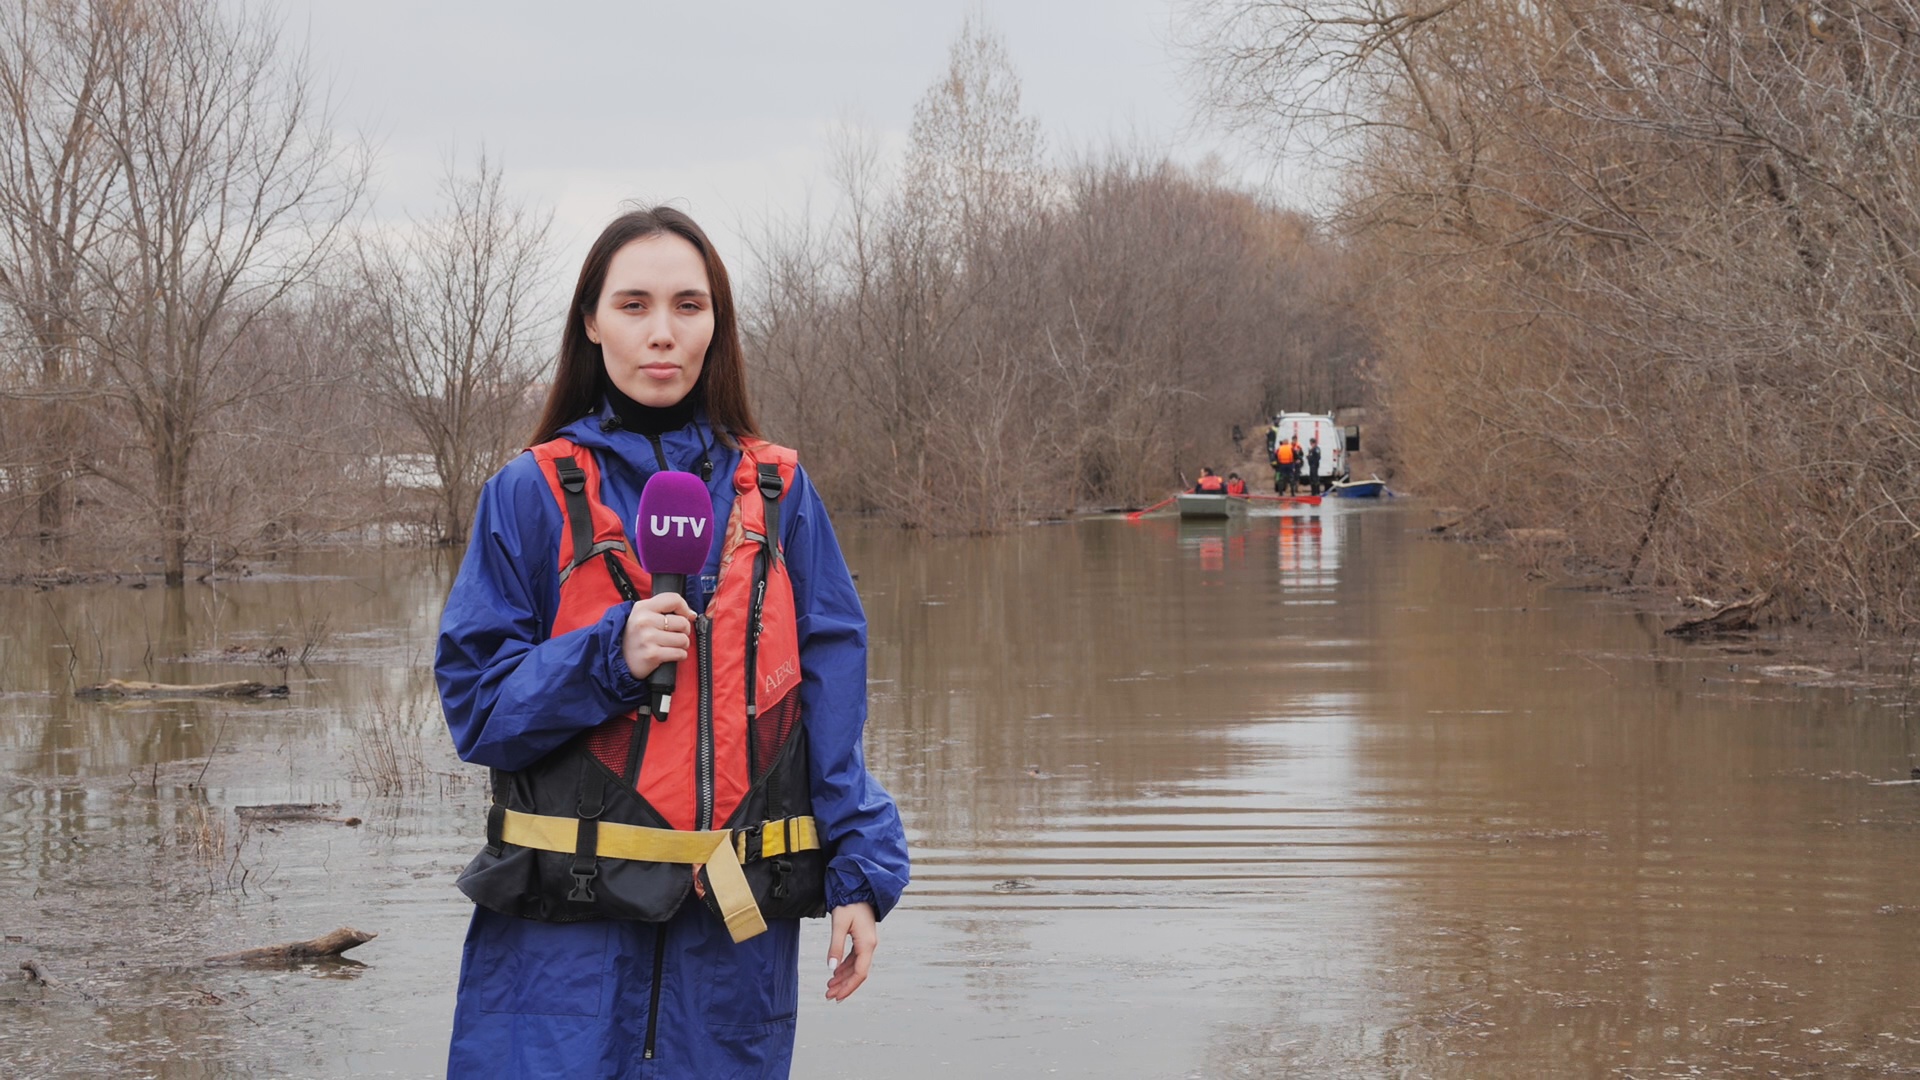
(1286, 467)
(1235, 485)
(1209, 484)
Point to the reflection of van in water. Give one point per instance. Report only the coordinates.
(1306, 427)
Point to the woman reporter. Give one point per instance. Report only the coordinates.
(639, 893)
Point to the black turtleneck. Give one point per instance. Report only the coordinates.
(646, 420)
(630, 415)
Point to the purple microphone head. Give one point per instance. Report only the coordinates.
(675, 524)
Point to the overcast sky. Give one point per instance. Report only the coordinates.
(724, 106)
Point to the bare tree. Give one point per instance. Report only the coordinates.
(973, 155)
(456, 323)
(55, 172)
(229, 191)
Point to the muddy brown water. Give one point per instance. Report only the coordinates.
(1297, 795)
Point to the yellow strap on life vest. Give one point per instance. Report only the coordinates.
(781, 837)
(720, 850)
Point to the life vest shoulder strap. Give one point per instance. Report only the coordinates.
(755, 453)
(766, 469)
(574, 477)
(592, 528)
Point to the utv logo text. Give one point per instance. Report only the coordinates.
(678, 526)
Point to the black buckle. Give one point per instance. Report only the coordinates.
(771, 486)
(586, 850)
(752, 842)
(782, 870)
(582, 887)
(586, 863)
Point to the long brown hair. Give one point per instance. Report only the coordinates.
(581, 380)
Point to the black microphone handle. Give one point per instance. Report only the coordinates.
(662, 679)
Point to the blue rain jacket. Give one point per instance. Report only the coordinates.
(585, 999)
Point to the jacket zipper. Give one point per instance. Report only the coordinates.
(753, 665)
(703, 766)
(753, 656)
(653, 999)
(706, 792)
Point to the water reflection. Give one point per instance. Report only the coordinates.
(1309, 549)
(121, 859)
(1359, 804)
(1293, 794)
(1642, 869)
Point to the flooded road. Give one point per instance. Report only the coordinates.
(1293, 795)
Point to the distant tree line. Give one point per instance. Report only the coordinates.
(1646, 272)
(982, 336)
(208, 351)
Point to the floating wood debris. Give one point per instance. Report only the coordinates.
(277, 812)
(240, 688)
(1730, 619)
(36, 975)
(313, 949)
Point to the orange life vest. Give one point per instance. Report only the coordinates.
(734, 769)
(668, 775)
(1236, 487)
(1284, 453)
(1211, 485)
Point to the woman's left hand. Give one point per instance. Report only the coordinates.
(857, 921)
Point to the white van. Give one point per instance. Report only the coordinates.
(1335, 443)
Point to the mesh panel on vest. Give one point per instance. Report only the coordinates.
(770, 730)
(610, 742)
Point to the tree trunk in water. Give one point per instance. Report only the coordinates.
(51, 506)
(459, 503)
(172, 477)
(51, 512)
(174, 566)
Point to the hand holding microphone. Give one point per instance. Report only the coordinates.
(656, 633)
(673, 531)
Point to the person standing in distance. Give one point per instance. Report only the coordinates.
(639, 895)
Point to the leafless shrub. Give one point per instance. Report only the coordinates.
(315, 633)
(204, 834)
(389, 747)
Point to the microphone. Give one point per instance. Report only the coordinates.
(674, 530)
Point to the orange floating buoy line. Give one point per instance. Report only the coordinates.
(1135, 515)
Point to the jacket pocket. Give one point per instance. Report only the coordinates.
(751, 1050)
(530, 968)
